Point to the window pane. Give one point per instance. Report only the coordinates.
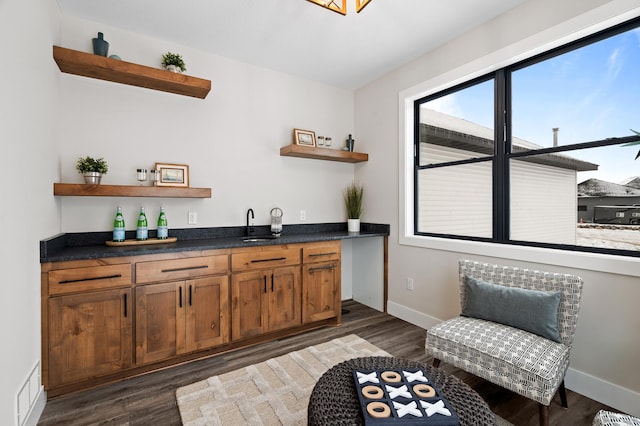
(456, 200)
(460, 122)
(543, 203)
(568, 199)
(588, 94)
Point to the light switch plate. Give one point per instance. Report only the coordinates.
(193, 218)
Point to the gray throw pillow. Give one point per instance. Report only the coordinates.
(530, 310)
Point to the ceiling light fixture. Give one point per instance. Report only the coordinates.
(342, 9)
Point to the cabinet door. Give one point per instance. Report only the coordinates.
(284, 298)
(207, 322)
(89, 335)
(320, 291)
(248, 304)
(159, 321)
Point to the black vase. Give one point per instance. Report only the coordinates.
(350, 143)
(100, 46)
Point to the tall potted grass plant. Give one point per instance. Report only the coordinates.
(353, 197)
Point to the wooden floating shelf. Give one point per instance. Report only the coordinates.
(103, 68)
(84, 190)
(323, 154)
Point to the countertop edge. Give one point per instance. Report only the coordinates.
(67, 247)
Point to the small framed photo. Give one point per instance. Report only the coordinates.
(304, 137)
(172, 174)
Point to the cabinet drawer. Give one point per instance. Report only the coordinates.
(179, 269)
(321, 252)
(89, 278)
(260, 258)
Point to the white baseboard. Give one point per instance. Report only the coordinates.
(622, 399)
(412, 316)
(37, 408)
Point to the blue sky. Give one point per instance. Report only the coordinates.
(590, 94)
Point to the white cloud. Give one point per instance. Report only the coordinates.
(615, 63)
(446, 105)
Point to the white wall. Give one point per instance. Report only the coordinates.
(607, 344)
(28, 212)
(230, 140)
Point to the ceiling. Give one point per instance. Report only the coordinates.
(297, 37)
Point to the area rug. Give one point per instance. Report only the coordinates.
(274, 392)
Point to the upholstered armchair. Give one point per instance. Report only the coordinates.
(609, 418)
(515, 330)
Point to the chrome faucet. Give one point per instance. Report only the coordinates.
(250, 229)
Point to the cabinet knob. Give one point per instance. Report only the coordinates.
(213, 325)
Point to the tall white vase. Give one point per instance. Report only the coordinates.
(353, 225)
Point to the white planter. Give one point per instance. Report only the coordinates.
(174, 68)
(353, 225)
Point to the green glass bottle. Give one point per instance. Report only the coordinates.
(118, 226)
(163, 228)
(142, 231)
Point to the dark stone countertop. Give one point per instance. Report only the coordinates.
(91, 245)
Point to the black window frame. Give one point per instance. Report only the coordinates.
(502, 154)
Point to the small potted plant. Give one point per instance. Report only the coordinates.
(353, 195)
(92, 169)
(173, 62)
(634, 143)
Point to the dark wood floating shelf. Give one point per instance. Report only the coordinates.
(323, 154)
(102, 68)
(84, 190)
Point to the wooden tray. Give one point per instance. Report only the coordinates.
(139, 243)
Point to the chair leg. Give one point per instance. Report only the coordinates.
(543, 412)
(436, 362)
(563, 395)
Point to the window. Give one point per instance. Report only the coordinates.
(533, 154)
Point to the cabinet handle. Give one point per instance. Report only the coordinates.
(190, 296)
(180, 303)
(107, 277)
(268, 260)
(271, 283)
(213, 325)
(323, 254)
(320, 268)
(188, 268)
(265, 283)
(125, 305)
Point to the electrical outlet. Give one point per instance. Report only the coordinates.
(303, 215)
(410, 284)
(193, 218)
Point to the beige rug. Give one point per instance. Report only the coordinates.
(274, 392)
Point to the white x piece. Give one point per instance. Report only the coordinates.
(396, 392)
(364, 378)
(418, 376)
(438, 407)
(410, 408)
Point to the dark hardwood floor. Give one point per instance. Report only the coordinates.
(150, 399)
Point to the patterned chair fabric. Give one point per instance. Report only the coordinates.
(523, 362)
(607, 418)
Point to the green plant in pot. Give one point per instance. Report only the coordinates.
(353, 197)
(634, 143)
(173, 62)
(92, 169)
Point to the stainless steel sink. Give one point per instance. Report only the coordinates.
(257, 239)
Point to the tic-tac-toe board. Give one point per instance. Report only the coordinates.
(403, 396)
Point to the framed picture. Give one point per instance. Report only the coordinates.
(304, 137)
(173, 174)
